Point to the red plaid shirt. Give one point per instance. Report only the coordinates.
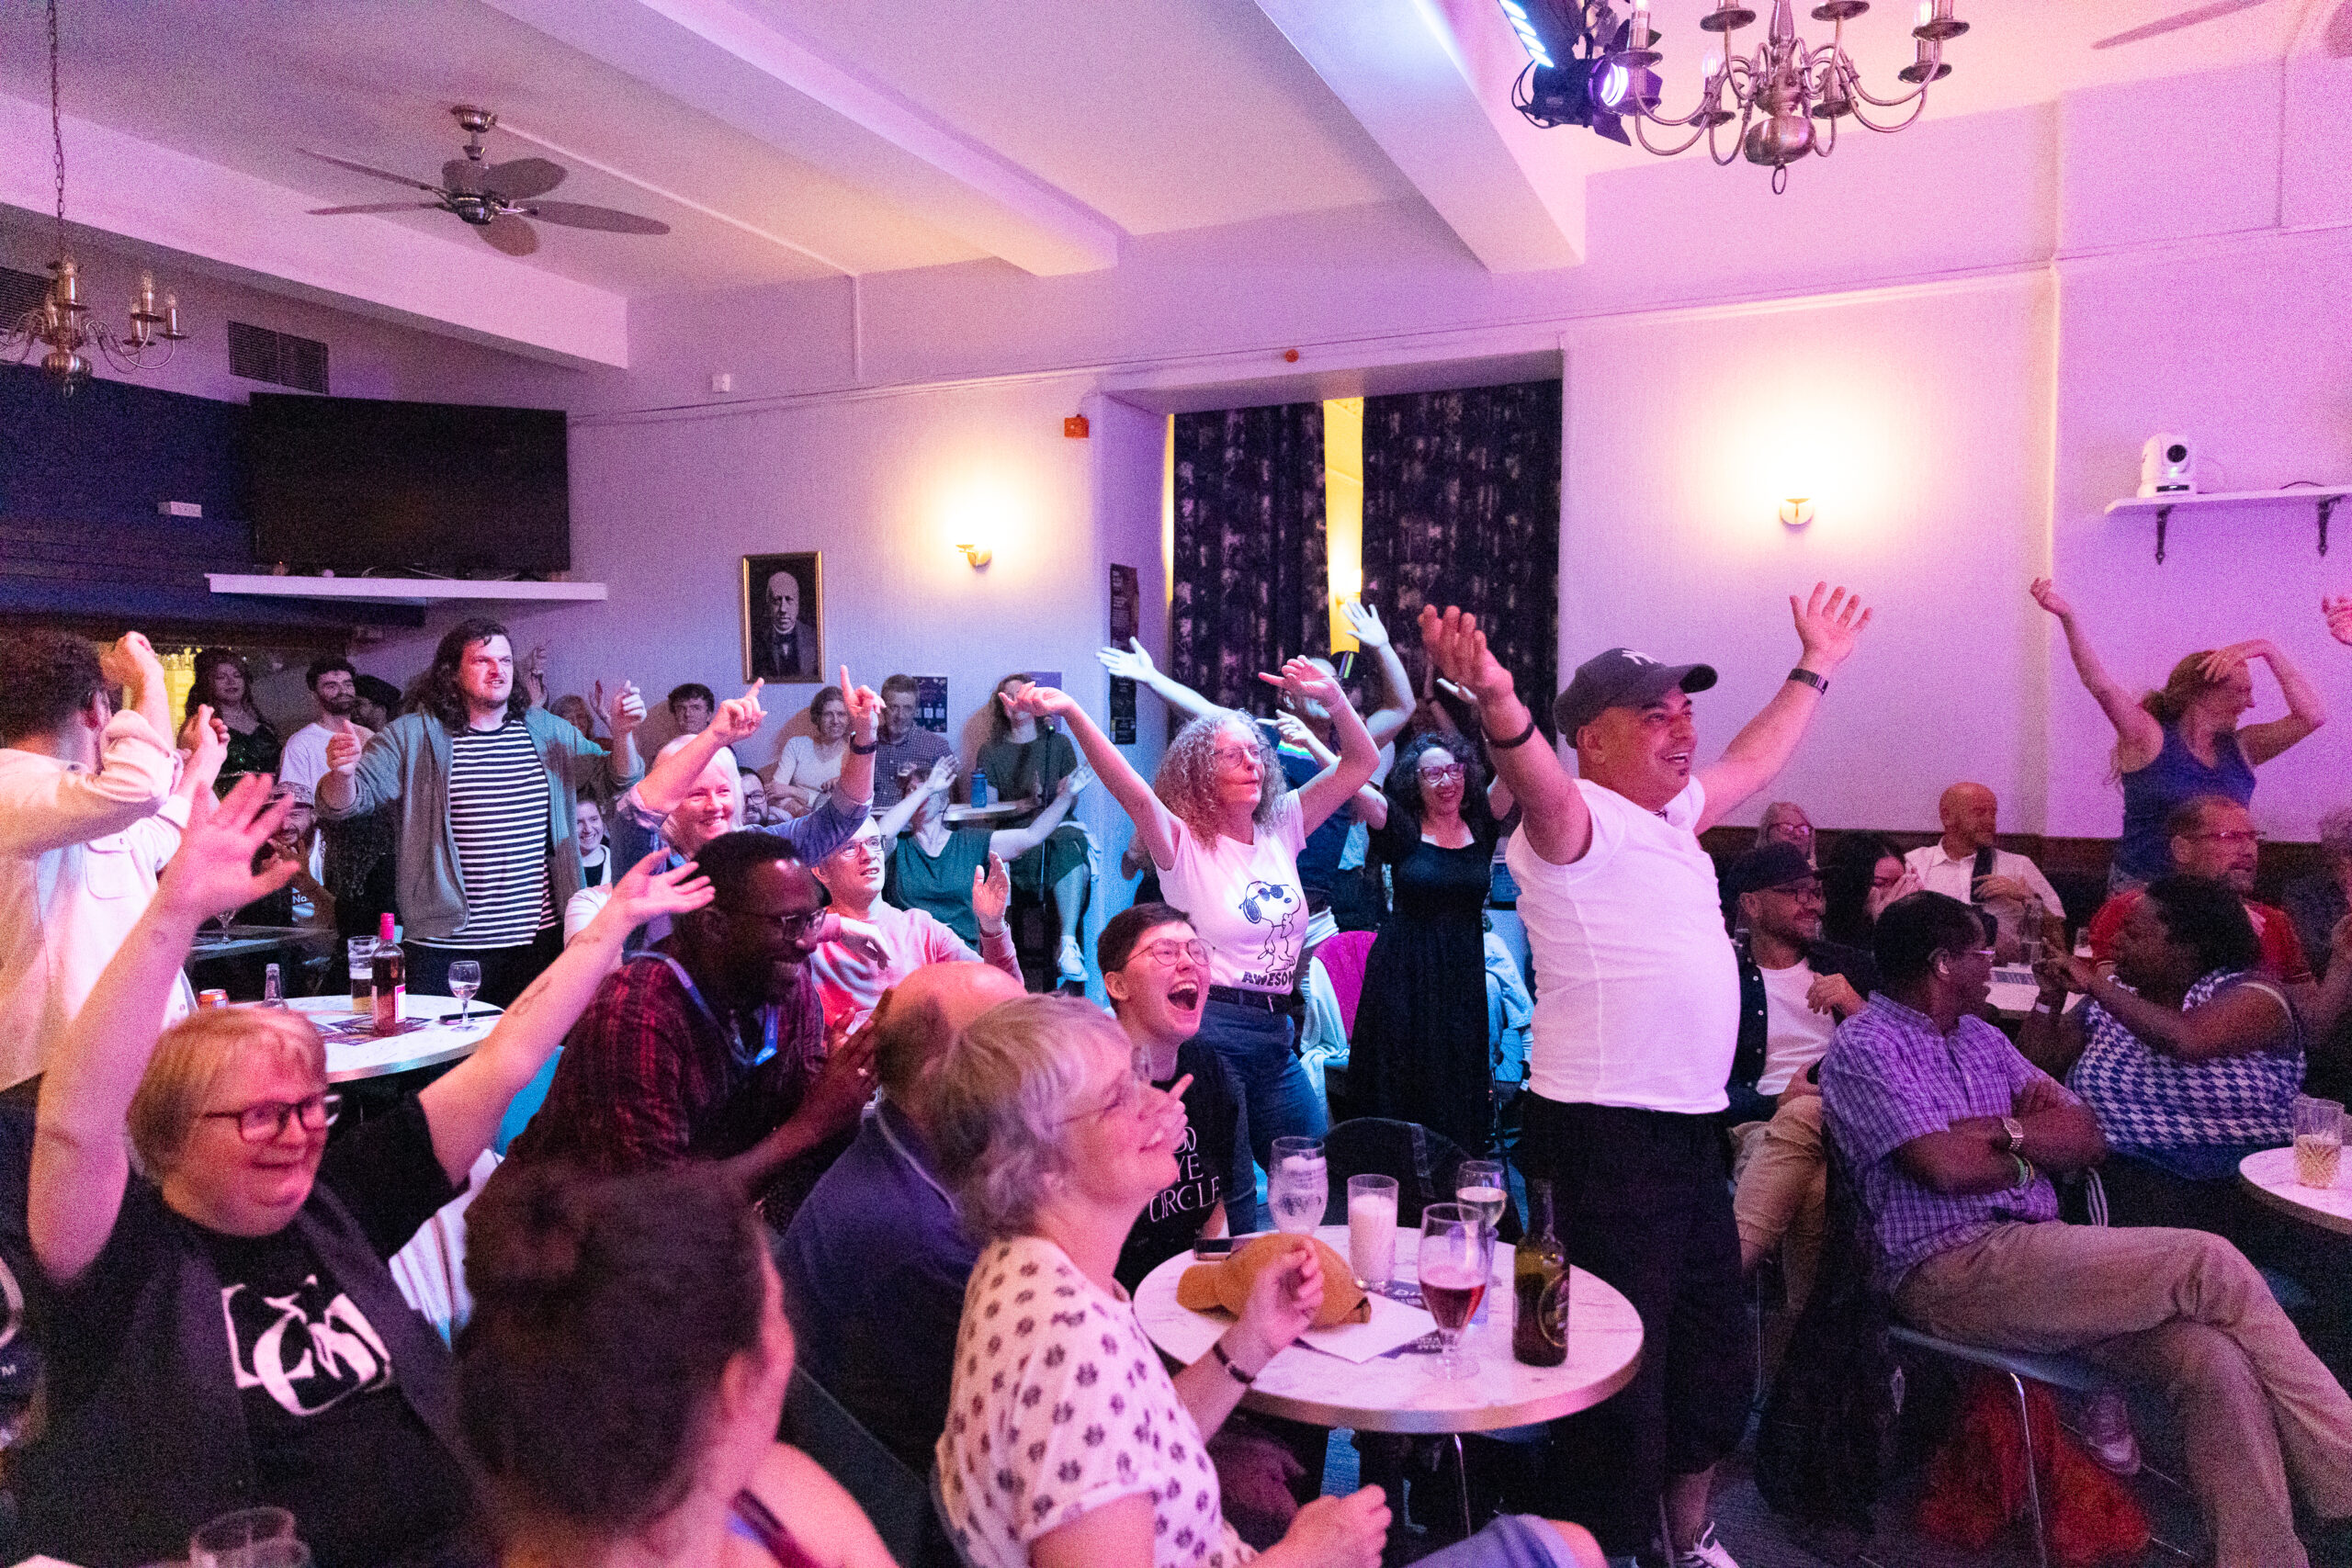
(647, 1078)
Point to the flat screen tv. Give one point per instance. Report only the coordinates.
(355, 483)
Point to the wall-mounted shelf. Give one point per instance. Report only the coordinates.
(398, 590)
(2322, 497)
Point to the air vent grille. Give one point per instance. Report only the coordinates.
(20, 292)
(259, 355)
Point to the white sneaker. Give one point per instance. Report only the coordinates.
(1707, 1553)
(1072, 963)
(2107, 1432)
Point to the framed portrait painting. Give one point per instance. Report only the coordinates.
(783, 618)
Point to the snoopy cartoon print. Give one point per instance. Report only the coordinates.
(1275, 906)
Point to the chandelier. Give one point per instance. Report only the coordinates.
(1789, 97)
(62, 323)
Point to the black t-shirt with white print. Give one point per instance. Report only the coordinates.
(1211, 1114)
(331, 1437)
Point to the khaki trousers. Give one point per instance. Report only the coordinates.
(1782, 1196)
(2185, 1313)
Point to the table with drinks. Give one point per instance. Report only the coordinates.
(381, 1027)
(2306, 1179)
(1465, 1335)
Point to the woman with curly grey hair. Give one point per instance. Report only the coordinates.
(1055, 1142)
(1226, 835)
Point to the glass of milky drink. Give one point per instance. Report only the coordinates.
(1372, 1229)
(2319, 1140)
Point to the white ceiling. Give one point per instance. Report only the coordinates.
(1078, 120)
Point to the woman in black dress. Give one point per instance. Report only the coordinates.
(223, 680)
(1420, 1049)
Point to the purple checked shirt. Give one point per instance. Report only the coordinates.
(1891, 1076)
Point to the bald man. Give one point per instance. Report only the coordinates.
(1965, 865)
(875, 1260)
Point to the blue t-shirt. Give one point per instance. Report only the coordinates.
(2144, 852)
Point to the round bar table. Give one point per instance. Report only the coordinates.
(2269, 1175)
(353, 1054)
(1402, 1392)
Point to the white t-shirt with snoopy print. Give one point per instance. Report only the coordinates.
(1245, 900)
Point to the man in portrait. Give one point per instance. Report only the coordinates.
(787, 648)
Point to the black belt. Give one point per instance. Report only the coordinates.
(1263, 1001)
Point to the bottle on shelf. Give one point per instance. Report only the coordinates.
(1539, 1329)
(390, 977)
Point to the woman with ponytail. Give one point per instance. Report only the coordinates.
(2184, 739)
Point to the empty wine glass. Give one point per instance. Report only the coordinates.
(465, 979)
(1457, 1259)
(244, 1540)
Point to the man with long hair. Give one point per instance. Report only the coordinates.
(489, 848)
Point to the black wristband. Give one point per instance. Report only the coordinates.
(1807, 678)
(866, 751)
(1216, 1348)
(1521, 739)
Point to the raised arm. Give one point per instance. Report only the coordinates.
(1554, 816)
(1155, 824)
(131, 664)
(463, 1106)
(1388, 720)
(2238, 1023)
(1828, 624)
(81, 1162)
(1358, 757)
(2137, 735)
(2305, 711)
(363, 770)
(1012, 843)
(1132, 663)
(204, 741)
(856, 786)
(941, 778)
(1371, 805)
(626, 713)
(674, 775)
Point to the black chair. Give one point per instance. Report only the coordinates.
(1422, 1161)
(897, 1501)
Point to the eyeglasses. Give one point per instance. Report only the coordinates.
(785, 926)
(2228, 836)
(1167, 952)
(1133, 1089)
(1791, 829)
(1452, 773)
(266, 1120)
(1808, 888)
(1235, 756)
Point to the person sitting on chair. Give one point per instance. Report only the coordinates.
(853, 981)
(1950, 1132)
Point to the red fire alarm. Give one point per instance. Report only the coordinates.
(1075, 427)
(1290, 356)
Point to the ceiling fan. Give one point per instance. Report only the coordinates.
(494, 199)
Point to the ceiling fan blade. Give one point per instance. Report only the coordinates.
(377, 173)
(574, 215)
(376, 206)
(2189, 18)
(520, 178)
(509, 234)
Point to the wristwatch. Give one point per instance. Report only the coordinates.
(2015, 1130)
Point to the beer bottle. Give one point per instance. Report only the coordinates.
(1539, 1329)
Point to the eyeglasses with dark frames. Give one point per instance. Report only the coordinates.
(265, 1120)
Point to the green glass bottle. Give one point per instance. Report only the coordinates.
(1539, 1329)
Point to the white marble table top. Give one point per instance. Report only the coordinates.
(363, 1056)
(2269, 1174)
(1404, 1393)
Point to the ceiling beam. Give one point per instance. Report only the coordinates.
(258, 232)
(1430, 80)
(772, 85)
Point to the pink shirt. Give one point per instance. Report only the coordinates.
(851, 988)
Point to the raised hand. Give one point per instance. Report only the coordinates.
(343, 747)
(626, 710)
(865, 706)
(1363, 621)
(213, 871)
(129, 660)
(1077, 779)
(1132, 663)
(739, 718)
(644, 893)
(2060, 969)
(2337, 609)
(1828, 624)
(1458, 651)
(942, 775)
(207, 741)
(1293, 730)
(1042, 701)
(992, 895)
(2045, 594)
(1990, 887)
(2222, 661)
(1308, 682)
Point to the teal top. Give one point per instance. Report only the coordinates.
(940, 885)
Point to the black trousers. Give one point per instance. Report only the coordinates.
(1643, 1200)
(506, 971)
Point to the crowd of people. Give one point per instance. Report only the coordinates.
(800, 1109)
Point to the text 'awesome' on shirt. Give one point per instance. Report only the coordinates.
(499, 816)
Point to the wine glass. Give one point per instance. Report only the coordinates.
(1480, 1184)
(465, 979)
(1458, 1257)
(1298, 1186)
(243, 1539)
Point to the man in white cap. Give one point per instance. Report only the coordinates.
(1637, 1019)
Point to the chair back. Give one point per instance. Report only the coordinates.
(895, 1500)
(1342, 958)
(1422, 1160)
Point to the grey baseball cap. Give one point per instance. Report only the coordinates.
(1621, 678)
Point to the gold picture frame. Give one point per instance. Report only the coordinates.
(797, 655)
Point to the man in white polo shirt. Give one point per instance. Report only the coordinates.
(1965, 865)
(1636, 1021)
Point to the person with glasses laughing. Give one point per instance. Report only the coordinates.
(851, 978)
(712, 1044)
(220, 1326)
(2213, 836)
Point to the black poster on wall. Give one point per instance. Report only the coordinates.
(1125, 610)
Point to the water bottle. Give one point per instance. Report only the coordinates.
(979, 787)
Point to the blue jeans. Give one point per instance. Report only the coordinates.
(1278, 1099)
(1514, 1541)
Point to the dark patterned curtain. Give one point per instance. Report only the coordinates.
(1250, 586)
(1462, 506)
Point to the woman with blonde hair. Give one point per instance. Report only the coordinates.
(1068, 1442)
(221, 1328)
(1225, 835)
(2184, 739)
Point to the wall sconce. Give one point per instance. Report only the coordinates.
(978, 554)
(1797, 511)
